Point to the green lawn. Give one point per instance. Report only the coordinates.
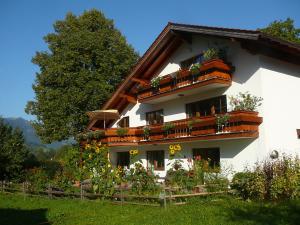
(14, 209)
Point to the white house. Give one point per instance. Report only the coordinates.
(256, 63)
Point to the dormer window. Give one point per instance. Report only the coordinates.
(124, 122)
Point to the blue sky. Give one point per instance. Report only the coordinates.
(24, 23)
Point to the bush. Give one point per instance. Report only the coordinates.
(216, 182)
(272, 180)
(37, 179)
(249, 185)
(142, 181)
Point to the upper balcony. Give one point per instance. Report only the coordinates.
(237, 125)
(212, 74)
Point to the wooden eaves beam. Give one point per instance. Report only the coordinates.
(129, 98)
(142, 82)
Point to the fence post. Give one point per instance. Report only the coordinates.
(165, 200)
(2, 187)
(81, 191)
(23, 190)
(49, 191)
(170, 191)
(122, 197)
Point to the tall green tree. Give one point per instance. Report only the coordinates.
(284, 30)
(13, 152)
(87, 58)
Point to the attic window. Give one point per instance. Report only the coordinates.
(298, 133)
(124, 122)
(185, 64)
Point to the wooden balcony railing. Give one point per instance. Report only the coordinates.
(241, 124)
(215, 73)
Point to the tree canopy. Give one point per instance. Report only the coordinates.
(284, 30)
(87, 58)
(13, 152)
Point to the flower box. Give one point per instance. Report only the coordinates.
(216, 64)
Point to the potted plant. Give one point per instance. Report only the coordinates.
(214, 58)
(98, 134)
(245, 102)
(165, 83)
(155, 83)
(211, 53)
(89, 136)
(222, 122)
(121, 131)
(195, 70)
(146, 130)
(167, 127)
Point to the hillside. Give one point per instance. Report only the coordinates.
(31, 138)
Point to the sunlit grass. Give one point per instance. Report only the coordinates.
(15, 209)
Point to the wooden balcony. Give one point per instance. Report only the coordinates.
(212, 75)
(241, 124)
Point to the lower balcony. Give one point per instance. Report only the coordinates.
(239, 124)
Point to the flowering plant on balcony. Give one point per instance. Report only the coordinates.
(167, 127)
(194, 68)
(121, 131)
(215, 53)
(155, 82)
(146, 130)
(245, 102)
(222, 121)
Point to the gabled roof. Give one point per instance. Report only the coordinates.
(174, 34)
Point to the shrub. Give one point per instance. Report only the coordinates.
(245, 101)
(177, 176)
(216, 182)
(273, 180)
(249, 185)
(37, 179)
(142, 181)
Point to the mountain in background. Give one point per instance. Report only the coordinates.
(31, 139)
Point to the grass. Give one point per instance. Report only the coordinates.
(15, 209)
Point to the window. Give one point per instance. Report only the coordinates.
(123, 159)
(298, 133)
(209, 154)
(156, 160)
(124, 122)
(155, 117)
(207, 107)
(188, 62)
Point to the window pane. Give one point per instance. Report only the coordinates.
(124, 122)
(207, 107)
(212, 155)
(123, 159)
(155, 117)
(156, 160)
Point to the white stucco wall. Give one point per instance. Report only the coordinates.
(278, 83)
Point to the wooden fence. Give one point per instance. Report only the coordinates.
(163, 199)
